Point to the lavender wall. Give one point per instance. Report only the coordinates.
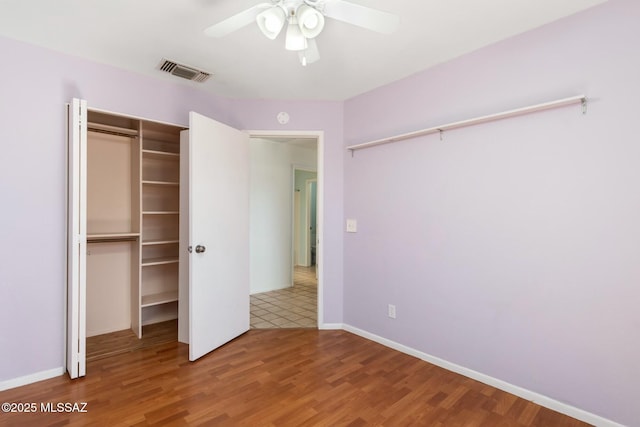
(510, 248)
(33, 92)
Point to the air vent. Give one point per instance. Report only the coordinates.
(183, 71)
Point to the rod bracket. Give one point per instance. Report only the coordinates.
(584, 103)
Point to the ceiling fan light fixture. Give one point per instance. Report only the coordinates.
(305, 21)
(310, 20)
(295, 39)
(271, 21)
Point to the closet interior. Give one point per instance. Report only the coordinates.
(133, 211)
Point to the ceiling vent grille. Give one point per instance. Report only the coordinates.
(183, 71)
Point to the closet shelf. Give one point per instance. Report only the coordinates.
(159, 261)
(159, 298)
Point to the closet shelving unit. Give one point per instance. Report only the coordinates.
(160, 182)
(133, 216)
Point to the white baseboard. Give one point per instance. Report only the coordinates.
(330, 326)
(32, 378)
(532, 396)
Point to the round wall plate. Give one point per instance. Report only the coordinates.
(283, 118)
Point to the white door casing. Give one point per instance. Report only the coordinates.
(319, 136)
(76, 237)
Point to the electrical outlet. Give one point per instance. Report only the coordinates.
(391, 311)
(352, 226)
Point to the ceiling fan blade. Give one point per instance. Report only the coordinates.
(311, 54)
(236, 21)
(362, 16)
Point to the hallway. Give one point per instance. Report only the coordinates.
(295, 307)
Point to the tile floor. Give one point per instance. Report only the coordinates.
(295, 307)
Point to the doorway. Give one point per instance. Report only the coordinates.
(285, 290)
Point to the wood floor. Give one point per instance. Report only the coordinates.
(294, 307)
(275, 377)
(107, 345)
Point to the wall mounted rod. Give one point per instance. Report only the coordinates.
(578, 99)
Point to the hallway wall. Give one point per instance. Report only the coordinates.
(271, 211)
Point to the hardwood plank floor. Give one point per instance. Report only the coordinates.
(113, 343)
(276, 377)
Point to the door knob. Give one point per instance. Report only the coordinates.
(200, 249)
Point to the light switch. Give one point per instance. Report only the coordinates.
(352, 226)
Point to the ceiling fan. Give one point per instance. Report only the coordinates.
(305, 21)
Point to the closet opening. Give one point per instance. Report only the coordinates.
(132, 224)
(132, 202)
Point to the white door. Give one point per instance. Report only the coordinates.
(76, 237)
(218, 232)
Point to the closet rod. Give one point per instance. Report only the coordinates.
(112, 240)
(582, 99)
(122, 239)
(112, 130)
(113, 237)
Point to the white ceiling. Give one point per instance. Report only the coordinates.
(137, 34)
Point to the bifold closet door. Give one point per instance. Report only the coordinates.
(77, 237)
(215, 241)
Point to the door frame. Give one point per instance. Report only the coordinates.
(304, 249)
(319, 136)
(309, 243)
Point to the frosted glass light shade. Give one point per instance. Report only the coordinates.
(295, 39)
(311, 21)
(271, 22)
